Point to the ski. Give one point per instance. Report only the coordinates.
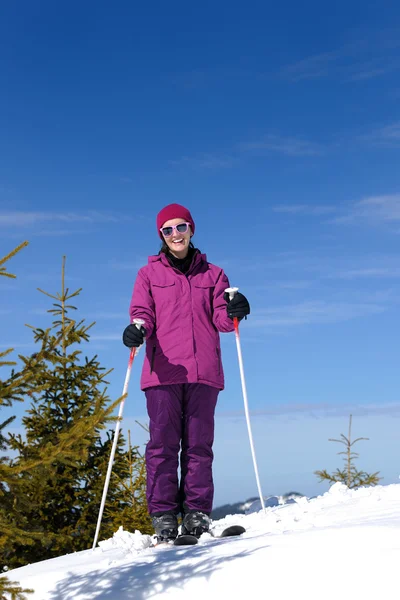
(185, 540)
(191, 540)
(231, 531)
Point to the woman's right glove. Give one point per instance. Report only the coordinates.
(133, 336)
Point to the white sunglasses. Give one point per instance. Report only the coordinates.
(180, 228)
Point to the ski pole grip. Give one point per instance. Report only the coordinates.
(138, 323)
(231, 291)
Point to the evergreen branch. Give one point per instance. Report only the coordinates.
(145, 427)
(74, 293)
(47, 294)
(342, 441)
(11, 531)
(7, 363)
(3, 270)
(350, 455)
(7, 422)
(358, 439)
(325, 476)
(68, 440)
(58, 308)
(12, 588)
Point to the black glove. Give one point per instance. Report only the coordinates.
(237, 307)
(133, 337)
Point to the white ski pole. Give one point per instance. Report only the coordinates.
(232, 291)
(134, 351)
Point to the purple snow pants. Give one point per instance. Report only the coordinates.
(181, 418)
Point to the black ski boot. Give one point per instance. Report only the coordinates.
(195, 523)
(165, 527)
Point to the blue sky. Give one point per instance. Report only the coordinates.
(279, 127)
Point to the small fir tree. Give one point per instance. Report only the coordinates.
(7, 394)
(15, 527)
(350, 475)
(60, 496)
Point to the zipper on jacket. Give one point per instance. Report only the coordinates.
(153, 354)
(219, 360)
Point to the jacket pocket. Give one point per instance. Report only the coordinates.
(165, 300)
(163, 290)
(218, 353)
(153, 355)
(203, 296)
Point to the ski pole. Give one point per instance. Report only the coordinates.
(232, 291)
(134, 351)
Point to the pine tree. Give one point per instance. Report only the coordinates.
(15, 527)
(59, 495)
(8, 393)
(350, 475)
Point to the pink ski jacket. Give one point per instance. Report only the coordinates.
(183, 315)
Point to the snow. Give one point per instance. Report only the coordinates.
(344, 544)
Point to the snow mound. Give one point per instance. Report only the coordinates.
(343, 544)
(131, 543)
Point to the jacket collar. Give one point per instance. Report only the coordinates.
(197, 259)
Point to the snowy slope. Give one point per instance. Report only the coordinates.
(344, 544)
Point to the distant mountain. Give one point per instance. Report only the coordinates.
(253, 505)
(239, 508)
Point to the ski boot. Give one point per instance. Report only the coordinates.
(195, 523)
(165, 527)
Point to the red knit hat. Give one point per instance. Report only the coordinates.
(173, 211)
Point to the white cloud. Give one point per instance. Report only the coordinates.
(387, 136)
(32, 218)
(311, 67)
(10, 287)
(372, 69)
(282, 285)
(373, 55)
(4, 346)
(205, 161)
(108, 315)
(311, 312)
(373, 210)
(306, 209)
(368, 272)
(320, 410)
(129, 266)
(290, 146)
(106, 337)
(270, 143)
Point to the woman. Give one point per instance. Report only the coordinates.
(181, 298)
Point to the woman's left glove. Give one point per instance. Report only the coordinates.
(237, 307)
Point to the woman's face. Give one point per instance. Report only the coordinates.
(177, 242)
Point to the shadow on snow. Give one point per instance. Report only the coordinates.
(147, 576)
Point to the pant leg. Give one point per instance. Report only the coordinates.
(197, 487)
(164, 407)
